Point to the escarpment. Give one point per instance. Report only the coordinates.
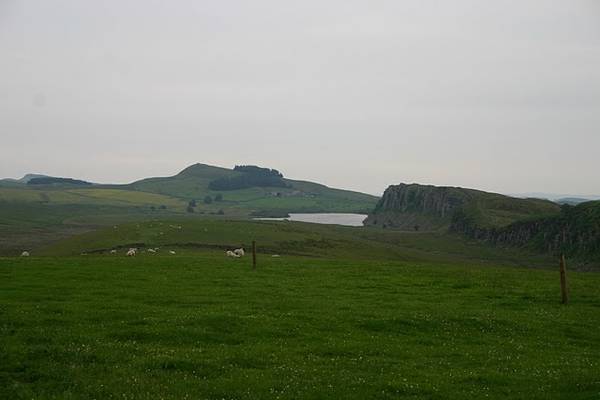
(494, 218)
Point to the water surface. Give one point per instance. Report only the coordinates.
(324, 218)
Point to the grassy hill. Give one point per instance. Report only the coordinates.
(575, 232)
(534, 224)
(31, 215)
(300, 196)
(434, 207)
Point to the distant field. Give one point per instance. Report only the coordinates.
(204, 326)
(107, 197)
(292, 238)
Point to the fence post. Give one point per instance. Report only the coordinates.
(253, 254)
(563, 280)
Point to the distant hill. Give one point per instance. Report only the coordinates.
(39, 179)
(572, 200)
(574, 231)
(535, 224)
(35, 214)
(262, 194)
(242, 191)
(557, 197)
(49, 180)
(422, 207)
(25, 179)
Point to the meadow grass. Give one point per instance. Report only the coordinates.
(203, 326)
(191, 235)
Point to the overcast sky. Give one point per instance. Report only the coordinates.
(501, 96)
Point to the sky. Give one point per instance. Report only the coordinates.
(501, 96)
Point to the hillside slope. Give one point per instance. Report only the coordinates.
(431, 208)
(31, 215)
(299, 196)
(534, 224)
(192, 185)
(575, 232)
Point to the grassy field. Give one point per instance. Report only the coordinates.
(203, 326)
(190, 236)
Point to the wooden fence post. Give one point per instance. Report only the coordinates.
(253, 254)
(563, 280)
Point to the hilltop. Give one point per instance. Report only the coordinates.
(278, 196)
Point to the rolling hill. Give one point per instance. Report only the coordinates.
(192, 184)
(33, 214)
(298, 196)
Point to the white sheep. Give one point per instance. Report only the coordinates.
(151, 251)
(232, 254)
(239, 252)
(131, 252)
(113, 252)
(171, 252)
(25, 254)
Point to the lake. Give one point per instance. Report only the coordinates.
(324, 218)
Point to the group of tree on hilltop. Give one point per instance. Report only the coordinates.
(192, 204)
(251, 176)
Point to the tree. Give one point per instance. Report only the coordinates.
(208, 200)
(219, 197)
(249, 176)
(190, 209)
(221, 212)
(192, 203)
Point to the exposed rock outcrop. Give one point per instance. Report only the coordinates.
(501, 220)
(431, 207)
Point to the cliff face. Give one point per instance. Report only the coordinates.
(574, 232)
(417, 207)
(500, 220)
(431, 207)
(440, 202)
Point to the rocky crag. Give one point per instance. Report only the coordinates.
(493, 218)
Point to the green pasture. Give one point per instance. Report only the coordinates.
(203, 326)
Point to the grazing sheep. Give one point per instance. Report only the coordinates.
(171, 252)
(232, 254)
(151, 251)
(113, 252)
(25, 254)
(131, 252)
(239, 252)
